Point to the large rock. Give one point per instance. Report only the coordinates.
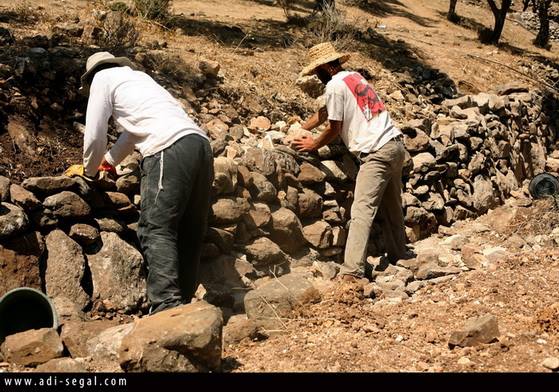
(75, 335)
(267, 256)
(65, 268)
(19, 262)
(33, 347)
(310, 204)
(49, 185)
(238, 328)
(227, 211)
(310, 174)
(217, 129)
(277, 298)
(67, 205)
(84, 235)
(260, 188)
(258, 216)
(287, 230)
(417, 143)
(23, 198)
(484, 196)
(319, 234)
(476, 331)
(183, 339)
(310, 85)
(116, 271)
(128, 183)
(13, 220)
(423, 162)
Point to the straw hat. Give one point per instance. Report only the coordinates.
(322, 54)
(101, 58)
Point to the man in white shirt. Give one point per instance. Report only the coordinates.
(176, 170)
(359, 117)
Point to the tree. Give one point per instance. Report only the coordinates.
(541, 7)
(500, 15)
(452, 11)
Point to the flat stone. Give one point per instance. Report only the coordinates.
(277, 298)
(476, 331)
(310, 174)
(23, 198)
(187, 338)
(33, 347)
(431, 271)
(334, 171)
(49, 185)
(61, 365)
(75, 335)
(104, 348)
(84, 235)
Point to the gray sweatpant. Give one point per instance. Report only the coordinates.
(378, 186)
(175, 199)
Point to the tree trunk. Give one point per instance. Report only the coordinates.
(452, 11)
(500, 15)
(542, 39)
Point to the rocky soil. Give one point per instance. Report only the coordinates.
(475, 298)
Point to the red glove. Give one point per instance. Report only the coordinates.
(108, 168)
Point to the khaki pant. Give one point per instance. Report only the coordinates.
(378, 185)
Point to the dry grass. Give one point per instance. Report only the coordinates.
(117, 31)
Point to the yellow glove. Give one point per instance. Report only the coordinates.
(74, 170)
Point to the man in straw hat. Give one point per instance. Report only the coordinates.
(176, 170)
(359, 117)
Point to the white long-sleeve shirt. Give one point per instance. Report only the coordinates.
(151, 118)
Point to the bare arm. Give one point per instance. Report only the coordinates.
(316, 119)
(308, 143)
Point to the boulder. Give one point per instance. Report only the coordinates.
(477, 330)
(33, 347)
(23, 198)
(49, 185)
(128, 183)
(423, 162)
(183, 339)
(287, 230)
(110, 225)
(65, 268)
(319, 234)
(67, 205)
(116, 271)
(277, 298)
(484, 196)
(230, 210)
(13, 220)
(67, 310)
(418, 143)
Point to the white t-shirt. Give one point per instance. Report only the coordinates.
(151, 118)
(366, 123)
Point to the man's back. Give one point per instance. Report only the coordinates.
(366, 123)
